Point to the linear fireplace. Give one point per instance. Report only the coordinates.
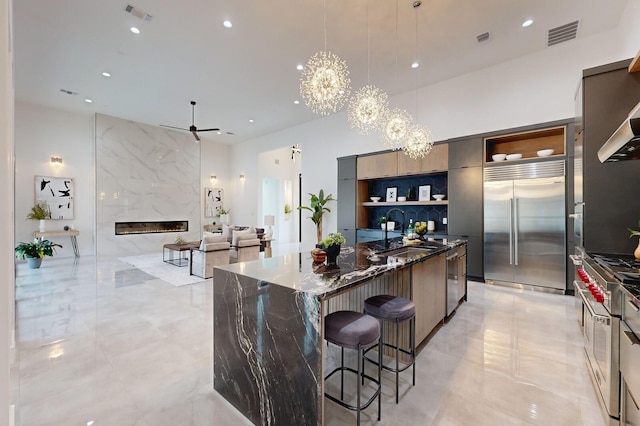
(128, 228)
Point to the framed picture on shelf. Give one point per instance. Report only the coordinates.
(424, 193)
(392, 194)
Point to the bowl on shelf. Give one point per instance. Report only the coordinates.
(544, 152)
(498, 157)
(514, 156)
(402, 199)
(375, 199)
(438, 197)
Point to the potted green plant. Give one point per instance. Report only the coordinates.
(40, 212)
(635, 233)
(224, 214)
(35, 251)
(331, 246)
(287, 211)
(317, 207)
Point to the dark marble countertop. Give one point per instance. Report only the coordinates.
(355, 265)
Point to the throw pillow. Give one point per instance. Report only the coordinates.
(210, 237)
(241, 235)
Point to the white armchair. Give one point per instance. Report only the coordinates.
(213, 251)
(245, 247)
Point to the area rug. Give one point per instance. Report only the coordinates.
(152, 264)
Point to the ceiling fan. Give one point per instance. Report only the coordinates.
(193, 129)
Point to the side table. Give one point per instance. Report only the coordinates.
(169, 252)
(70, 234)
(267, 246)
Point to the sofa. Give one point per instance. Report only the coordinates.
(245, 242)
(228, 230)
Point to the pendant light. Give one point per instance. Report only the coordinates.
(368, 106)
(419, 142)
(398, 122)
(325, 83)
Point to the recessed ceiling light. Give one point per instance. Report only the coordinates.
(296, 102)
(87, 100)
(227, 24)
(299, 67)
(219, 132)
(134, 30)
(415, 65)
(527, 23)
(106, 74)
(251, 120)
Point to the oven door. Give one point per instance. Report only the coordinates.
(601, 341)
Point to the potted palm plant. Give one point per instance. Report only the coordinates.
(317, 207)
(40, 212)
(35, 251)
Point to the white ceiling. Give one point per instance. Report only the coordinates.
(249, 71)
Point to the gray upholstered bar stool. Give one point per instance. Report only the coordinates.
(354, 330)
(395, 309)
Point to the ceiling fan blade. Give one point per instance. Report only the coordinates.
(195, 135)
(209, 130)
(172, 127)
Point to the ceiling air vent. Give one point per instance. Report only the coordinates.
(563, 33)
(140, 14)
(482, 37)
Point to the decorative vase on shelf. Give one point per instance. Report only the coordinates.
(43, 225)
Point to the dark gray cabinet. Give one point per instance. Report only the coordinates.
(465, 201)
(347, 198)
(465, 153)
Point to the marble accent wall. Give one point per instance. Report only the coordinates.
(144, 173)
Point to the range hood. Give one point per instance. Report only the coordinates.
(624, 144)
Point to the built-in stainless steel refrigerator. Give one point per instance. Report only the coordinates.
(524, 224)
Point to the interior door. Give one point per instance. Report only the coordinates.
(498, 226)
(539, 232)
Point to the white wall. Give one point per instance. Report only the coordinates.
(215, 160)
(41, 133)
(533, 89)
(7, 275)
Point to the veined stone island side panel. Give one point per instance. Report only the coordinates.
(266, 348)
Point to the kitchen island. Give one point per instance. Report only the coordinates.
(268, 320)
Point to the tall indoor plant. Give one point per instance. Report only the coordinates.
(35, 251)
(317, 207)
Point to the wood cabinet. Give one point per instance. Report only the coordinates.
(436, 161)
(377, 165)
(526, 143)
(429, 293)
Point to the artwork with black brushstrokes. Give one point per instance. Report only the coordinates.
(58, 193)
(212, 200)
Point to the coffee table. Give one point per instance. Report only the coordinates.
(176, 254)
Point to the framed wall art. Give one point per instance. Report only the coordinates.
(57, 193)
(212, 201)
(392, 194)
(424, 193)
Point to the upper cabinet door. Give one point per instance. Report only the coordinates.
(466, 153)
(407, 165)
(437, 160)
(377, 166)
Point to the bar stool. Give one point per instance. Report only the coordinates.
(394, 309)
(354, 330)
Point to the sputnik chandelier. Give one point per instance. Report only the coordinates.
(396, 128)
(367, 110)
(418, 142)
(325, 85)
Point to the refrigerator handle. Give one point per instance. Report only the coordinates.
(515, 230)
(511, 231)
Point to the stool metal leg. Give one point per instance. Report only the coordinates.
(413, 347)
(397, 357)
(342, 374)
(379, 375)
(359, 384)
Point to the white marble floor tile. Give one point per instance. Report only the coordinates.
(99, 341)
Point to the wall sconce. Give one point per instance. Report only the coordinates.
(213, 178)
(56, 161)
(242, 177)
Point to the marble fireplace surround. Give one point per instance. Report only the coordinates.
(144, 174)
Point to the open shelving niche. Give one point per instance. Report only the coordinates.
(422, 211)
(527, 144)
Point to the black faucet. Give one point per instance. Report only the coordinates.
(386, 235)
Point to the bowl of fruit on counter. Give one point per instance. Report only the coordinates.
(421, 228)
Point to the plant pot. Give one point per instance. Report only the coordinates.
(34, 262)
(43, 225)
(224, 218)
(332, 254)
